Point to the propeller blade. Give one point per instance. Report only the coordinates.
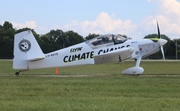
(161, 41)
(162, 50)
(159, 34)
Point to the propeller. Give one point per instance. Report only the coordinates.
(161, 41)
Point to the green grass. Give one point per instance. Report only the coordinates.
(157, 89)
(150, 67)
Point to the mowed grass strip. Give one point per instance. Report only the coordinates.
(106, 90)
(150, 68)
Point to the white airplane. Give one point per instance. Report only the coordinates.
(102, 49)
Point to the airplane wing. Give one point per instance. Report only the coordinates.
(114, 56)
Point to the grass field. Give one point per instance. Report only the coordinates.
(105, 89)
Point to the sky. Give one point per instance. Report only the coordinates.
(134, 18)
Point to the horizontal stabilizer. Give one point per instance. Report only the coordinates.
(114, 56)
(35, 59)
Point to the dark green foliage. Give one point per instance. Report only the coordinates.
(91, 36)
(72, 38)
(49, 43)
(57, 39)
(6, 40)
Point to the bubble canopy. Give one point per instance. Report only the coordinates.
(106, 40)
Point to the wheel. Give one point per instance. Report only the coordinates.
(17, 73)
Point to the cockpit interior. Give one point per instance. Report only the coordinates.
(105, 40)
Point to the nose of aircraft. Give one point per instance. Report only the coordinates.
(162, 42)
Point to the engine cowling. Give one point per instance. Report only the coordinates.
(133, 71)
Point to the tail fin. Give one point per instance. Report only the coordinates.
(26, 49)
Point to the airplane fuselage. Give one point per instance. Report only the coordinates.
(83, 54)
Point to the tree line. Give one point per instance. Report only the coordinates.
(58, 39)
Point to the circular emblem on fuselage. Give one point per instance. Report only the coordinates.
(24, 45)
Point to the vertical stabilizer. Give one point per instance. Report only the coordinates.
(26, 49)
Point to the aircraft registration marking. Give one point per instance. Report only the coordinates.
(52, 54)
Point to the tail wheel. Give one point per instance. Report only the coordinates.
(17, 73)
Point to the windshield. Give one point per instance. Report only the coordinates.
(105, 40)
(119, 39)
